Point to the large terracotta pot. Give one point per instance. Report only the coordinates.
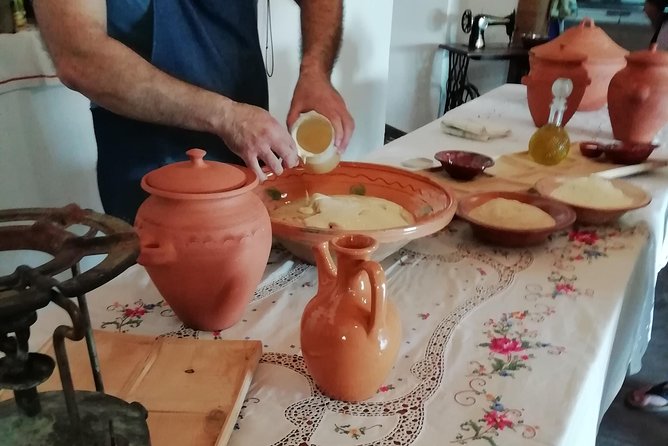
(350, 331)
(560, 62)
(638, 97)
(604, 59)
(205, 239)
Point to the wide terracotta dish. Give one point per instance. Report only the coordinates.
(432, 205)
(563, 215)
(593, 215)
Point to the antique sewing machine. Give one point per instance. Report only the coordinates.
(477, 25)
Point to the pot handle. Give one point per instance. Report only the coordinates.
(525, 80)
(641, 94)
(155, 254)
(378, 296)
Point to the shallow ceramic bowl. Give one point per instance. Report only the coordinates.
(591, 215)
(628, 153)
(563, 216)
(462, 165)
(432, 205)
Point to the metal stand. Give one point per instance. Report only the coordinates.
(456, 88)
(68, 417)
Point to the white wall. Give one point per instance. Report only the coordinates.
(418, 27)
(360, 74)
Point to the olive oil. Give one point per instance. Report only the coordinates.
(550, 144)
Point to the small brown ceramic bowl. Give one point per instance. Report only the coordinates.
(591, 149)
(462, 165)
(563, 215)
(592, 215)
(628, 152)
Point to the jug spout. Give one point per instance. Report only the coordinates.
(324, 263)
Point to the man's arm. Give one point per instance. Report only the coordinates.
(114, 76)
(321, 23)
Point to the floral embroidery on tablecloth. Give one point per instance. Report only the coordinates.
(423, 316)
(587, 244)
(386, 388)
(578, 245)
(132, 315)
(354, 432)
(495, 417)
(511, 343)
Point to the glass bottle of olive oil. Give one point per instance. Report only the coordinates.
(550, 144)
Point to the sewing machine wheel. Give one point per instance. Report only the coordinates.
(467, 21)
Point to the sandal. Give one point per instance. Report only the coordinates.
(649, 399)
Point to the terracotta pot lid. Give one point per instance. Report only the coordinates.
(588, 39)
(652, 56)
(197, 176)
(559, 53)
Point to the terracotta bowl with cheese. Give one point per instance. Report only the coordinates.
(429, 206)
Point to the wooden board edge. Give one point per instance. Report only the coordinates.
(228, 427)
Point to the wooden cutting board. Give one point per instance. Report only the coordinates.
(517, 172)
(193, 389)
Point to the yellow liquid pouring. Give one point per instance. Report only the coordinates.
(314, 135)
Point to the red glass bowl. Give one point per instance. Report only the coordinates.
(591, 149)
(462, 165)
(628, 152)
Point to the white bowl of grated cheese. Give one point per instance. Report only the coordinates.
(594, 199)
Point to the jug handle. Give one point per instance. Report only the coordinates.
(641, 94)
(153, 254)
(378, 296)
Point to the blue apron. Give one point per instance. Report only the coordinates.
(209, 43)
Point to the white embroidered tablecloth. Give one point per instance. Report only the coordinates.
(500, 346)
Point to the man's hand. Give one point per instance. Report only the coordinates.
(253, 134)
(315, 92)
(322, 27)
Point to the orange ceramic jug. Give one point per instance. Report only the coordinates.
(560, 62)
(638, 97)
(350, 331)
(205, 239)
(603, 59)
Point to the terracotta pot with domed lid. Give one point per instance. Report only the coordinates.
(205, 239)
(638, 97)
(603, 59)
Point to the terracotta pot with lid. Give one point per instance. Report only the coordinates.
(205, 239)
(550, 65)
(638, 97)
(604, 59)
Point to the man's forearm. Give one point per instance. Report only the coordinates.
(124, 83)
(321, 22)
(114, 76)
